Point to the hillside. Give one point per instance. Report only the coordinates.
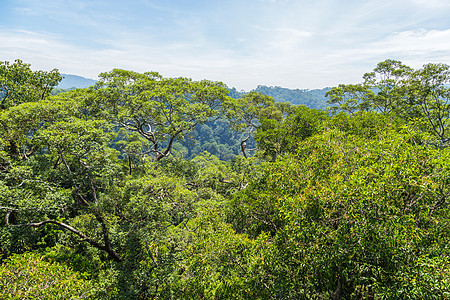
(75, 81)
(311, 98)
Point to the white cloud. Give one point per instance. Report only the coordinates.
(285, 31)
(281, 38)
(421, 44)
(432, 3)
(300, 44)
(47, 51)
(274, 1)
(292, 67)
(419, 40)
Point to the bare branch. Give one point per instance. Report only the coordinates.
(9, 208)
(93, 243)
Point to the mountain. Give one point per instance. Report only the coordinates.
(311, 98)
(75, 81)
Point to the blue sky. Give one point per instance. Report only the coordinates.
(244, 43)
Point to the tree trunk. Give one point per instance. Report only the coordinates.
(107, 248)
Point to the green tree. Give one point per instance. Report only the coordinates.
(19, 123)
(19, 84)
(246, 113)
(350, 217)
(427, 88)
(132, 145)
(350, 98)
(389, 80)
(161, 110)
(276, 137)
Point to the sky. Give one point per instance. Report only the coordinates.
(305, 44)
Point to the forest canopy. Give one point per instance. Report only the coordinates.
(145, 187)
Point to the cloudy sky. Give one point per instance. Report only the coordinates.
(244, 43)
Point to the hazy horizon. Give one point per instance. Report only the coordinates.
(293, 44)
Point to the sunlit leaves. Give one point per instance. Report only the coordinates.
(389, 81)
(160, 109)
(29, 276)
(420, 96)
(431, 97)
(20, 123)
(350, 98)
(347, 208)
(19, 84)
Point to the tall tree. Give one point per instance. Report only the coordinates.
(246, 113)
(277, 137)
(161, 110)
(431, 98)
(19, 84)
(388, 81)
(350, 98)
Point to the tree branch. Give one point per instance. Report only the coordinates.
(9, 211)
(93, 243)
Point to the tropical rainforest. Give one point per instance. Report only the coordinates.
(145, 187)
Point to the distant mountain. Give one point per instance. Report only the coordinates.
(311, 98)
(75, 81)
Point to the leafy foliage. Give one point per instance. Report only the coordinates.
(109, 183)
(348, 214)
(161, 110)
(20, 84)
(29, 276)
(311, 98)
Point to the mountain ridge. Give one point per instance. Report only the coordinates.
(71, 81)
(312, 98)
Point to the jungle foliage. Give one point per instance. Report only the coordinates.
(104, 195)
